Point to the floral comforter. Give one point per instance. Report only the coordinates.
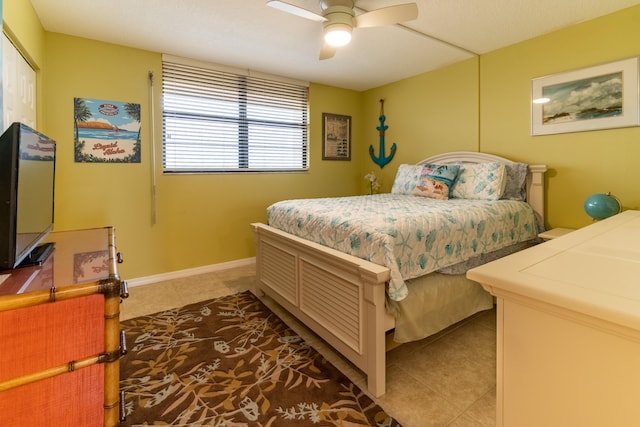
(410, 235)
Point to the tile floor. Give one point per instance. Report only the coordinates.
(445, 380)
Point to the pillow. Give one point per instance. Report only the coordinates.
(483, 181)
(515, 187)
(436, 181)
(406, 179)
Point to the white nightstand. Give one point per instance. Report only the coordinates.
(554, 233)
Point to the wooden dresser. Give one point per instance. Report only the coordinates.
(568, 338)
(60, 335)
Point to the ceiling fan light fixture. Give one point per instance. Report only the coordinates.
(337, 34)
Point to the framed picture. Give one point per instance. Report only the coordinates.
(336, 137)
(106, 131)
(90, 266)
(599, 97)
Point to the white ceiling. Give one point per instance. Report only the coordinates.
(247, 34)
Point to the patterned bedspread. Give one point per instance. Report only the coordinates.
(410, 235)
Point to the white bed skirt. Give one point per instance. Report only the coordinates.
(435, 302)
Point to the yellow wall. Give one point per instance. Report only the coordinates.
(438, 111)
(428, 114)
(200, 219)
(23, 27)
(479, 104)
(580, 163)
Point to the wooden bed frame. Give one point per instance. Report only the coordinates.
(341, 297)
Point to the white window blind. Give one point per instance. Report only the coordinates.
(220, 121)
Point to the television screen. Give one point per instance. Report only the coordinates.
(27, 174)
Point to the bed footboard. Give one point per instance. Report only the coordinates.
(338, 296)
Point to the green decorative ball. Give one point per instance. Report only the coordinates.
(601, 206)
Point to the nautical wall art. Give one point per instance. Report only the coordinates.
(382, 159)
(336, 137)
(106, 131)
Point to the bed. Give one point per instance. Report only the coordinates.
(358, 291)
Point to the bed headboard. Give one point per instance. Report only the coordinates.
(535, 175)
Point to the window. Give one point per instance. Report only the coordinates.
(221, 121)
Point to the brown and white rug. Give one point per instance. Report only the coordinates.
(232, 362)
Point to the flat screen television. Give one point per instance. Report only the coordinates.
(27, 176)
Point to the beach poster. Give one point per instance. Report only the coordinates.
(106, 131)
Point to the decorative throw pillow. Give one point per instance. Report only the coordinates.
(483, 181)
(436, 180)
(406, 179)
(515, 187)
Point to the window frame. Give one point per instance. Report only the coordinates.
(276, 108)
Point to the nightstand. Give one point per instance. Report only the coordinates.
(554, 233)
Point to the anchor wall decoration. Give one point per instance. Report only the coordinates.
(382, 160)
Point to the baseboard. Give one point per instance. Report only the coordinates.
(190, 272)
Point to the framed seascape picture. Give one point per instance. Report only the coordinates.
(336, 137)
(599, 97)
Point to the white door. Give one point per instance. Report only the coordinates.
(18, 86)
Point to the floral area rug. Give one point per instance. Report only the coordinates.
(232, 362)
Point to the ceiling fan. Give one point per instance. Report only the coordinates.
(338, 19)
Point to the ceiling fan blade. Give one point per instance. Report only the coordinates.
(295, 10)
(388, 15)
(327, 51)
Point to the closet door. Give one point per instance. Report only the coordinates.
(18, 86)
